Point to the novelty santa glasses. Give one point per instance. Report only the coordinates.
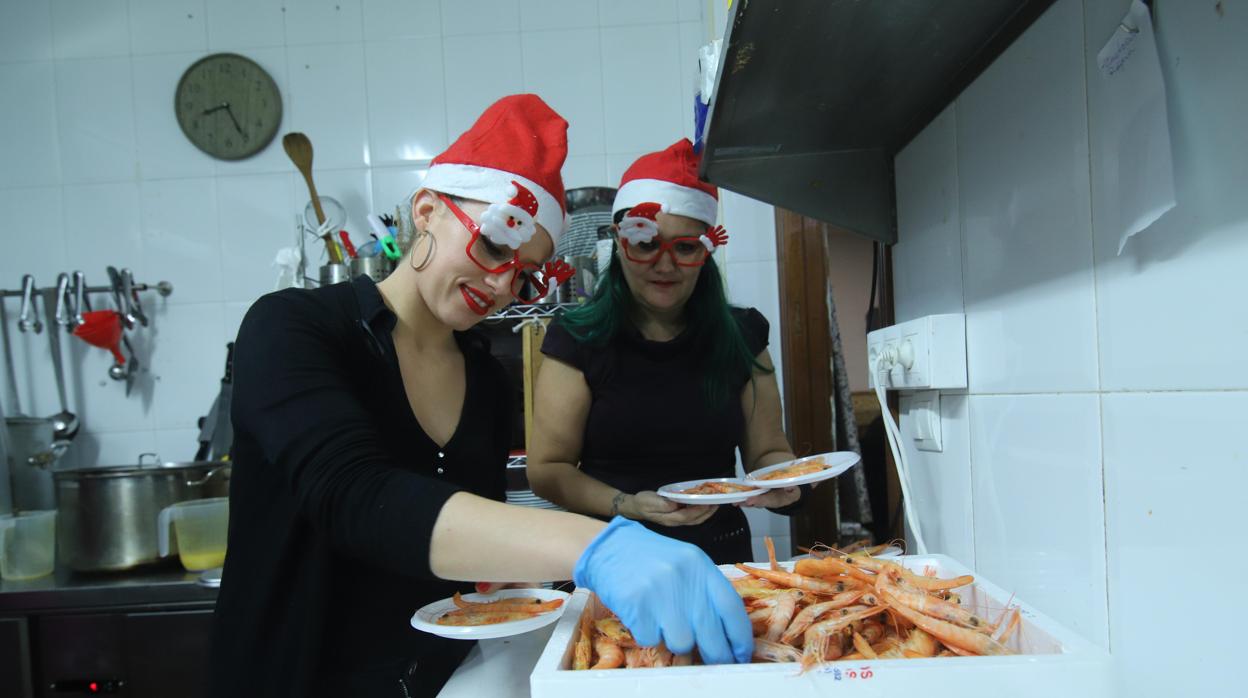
(639, 238)
(495, 254)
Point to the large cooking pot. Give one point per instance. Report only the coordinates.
(108, 514)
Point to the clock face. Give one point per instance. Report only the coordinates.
(228, 106)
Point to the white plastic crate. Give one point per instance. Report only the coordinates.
(1052, 661)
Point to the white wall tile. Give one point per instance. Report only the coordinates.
(1174, 472)
(756, 285)
(1166, 307)
(941, 481)
(618, 163)
(323, 21)
(181, 238)
(102, 404)
(237, 25)
(692, 37)
(480, 16)
(28, 136)
(642, 90)
(167, 26)
(90, 28)
(564, 68)
(585, 171)
(393, 186)
(406, 100)
(541, 15)
(35, 241)
(102, 227)
(388, 19)
(1024, 203)
(478, 72)
(26, 31)
(927, 259)
(95, 118)
(188, 358)
(234, 313)
(255, 213)
(751, 226)
(113, 448)
(1039, 519)
(164, 151)
(273, 157)
(177, 445)
(327, 95)
(637, 12)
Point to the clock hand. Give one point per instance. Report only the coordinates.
(219, 107)
(237, 127)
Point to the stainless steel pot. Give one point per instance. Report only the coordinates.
(108, 514)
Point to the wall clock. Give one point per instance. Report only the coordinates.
(228, 106)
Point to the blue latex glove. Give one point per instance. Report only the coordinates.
(664, 589)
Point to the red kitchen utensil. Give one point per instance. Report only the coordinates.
(102, 328)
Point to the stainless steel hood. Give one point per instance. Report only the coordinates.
(815, 97)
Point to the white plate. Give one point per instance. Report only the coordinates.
(426, 618)
(673, 492)
(838, 462)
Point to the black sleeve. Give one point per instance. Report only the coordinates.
(754, 327)
(292, 395)
(560, 344)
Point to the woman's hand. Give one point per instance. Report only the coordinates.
(649, 506)
(774, 499)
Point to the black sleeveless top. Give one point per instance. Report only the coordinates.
(649, 423)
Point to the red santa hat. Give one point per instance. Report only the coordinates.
(510, 158)
(669, 178)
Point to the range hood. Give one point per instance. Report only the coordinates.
(814, 97)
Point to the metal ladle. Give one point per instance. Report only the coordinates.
(64, 423)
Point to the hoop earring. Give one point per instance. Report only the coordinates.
(433, 246)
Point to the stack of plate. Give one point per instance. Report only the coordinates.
(526, 498)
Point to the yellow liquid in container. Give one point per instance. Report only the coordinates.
(200, 560)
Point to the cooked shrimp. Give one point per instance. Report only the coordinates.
(614, 629)
(811, 613)
(685, 659)
(462, 618)
(863, 647)
(782, 614)
(583, 655)
(771, 553)
(831, 567)
(920, 581)
(793, 580)
(933, 606)
(507, 604)
(610, 656)
(769, 651)
(948, 633)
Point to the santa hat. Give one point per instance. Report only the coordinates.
(669, 178)
(511, 158)
(641, 223)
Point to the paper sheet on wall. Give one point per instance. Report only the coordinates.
(1134, 147)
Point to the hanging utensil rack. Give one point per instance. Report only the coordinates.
(164, 288)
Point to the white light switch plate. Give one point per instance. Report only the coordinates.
(923, 409)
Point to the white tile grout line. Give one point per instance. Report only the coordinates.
(970, 442)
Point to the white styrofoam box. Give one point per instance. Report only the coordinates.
(28, 136)
(573, 88)
(1057, 662)
(95, 118)
(25, 31)
(641, 89)
(323, 21)
(480, 17)
(927, 259)
(1029, 452)
(928, 353)
(940, 483)
(389, 19)
(241, 25)
(90, 29)
(1174, 473)
(406, 123)
(327, 96)
(164, 151)
(478, 73)
(541, 15)
(1024, 203)
(181, 238)
(165, 26)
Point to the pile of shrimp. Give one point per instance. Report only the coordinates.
(795, 470)
(835, 606)
(710, 487)
(493, 612)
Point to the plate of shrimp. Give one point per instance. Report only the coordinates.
(716, 490)
(803, 471)
(502, 613)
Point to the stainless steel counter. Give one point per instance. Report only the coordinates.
(162, 586)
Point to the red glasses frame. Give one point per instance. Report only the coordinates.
(669, 247)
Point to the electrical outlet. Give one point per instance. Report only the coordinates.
(924, 354)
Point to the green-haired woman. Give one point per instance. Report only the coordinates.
(657, 379)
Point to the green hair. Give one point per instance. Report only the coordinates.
(709, 322)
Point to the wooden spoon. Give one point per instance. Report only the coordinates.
(299, 148)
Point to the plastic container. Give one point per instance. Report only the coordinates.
(1052, 661)
(200, 529)
(27, 545)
